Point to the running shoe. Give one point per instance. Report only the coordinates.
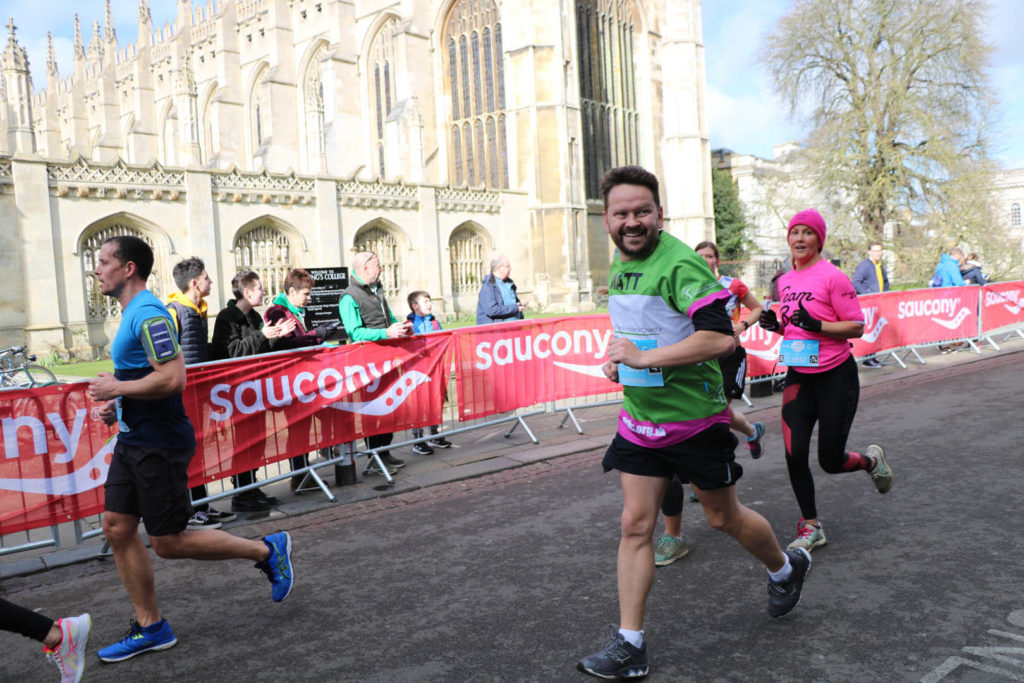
(219, 515)
(669, 549)
(278, 566)
(754, 442)
(391, 461)
(199, 520)
(373, 468)
(881, 473)
(439, 442)
(69, 655)
(617, 660)
(808, 536)
(422, 449)
(784, 596)
(139, 640)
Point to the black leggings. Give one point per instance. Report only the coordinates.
(17, 619)
(830, 399)
(672, 501)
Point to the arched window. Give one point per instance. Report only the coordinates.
(169, 138)
(99, 306)
(267, 250)
(381, 65)
(605, 30)
(259, 114)
(313, 113)
(466, 250)
(475, 78)
(384, 243)
(1015, 215)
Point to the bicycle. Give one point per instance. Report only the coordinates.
(17, 371)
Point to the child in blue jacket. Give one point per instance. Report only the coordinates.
(423, 322)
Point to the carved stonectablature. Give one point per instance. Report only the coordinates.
(377, 195)
(478, 201)
(105, 179)
(262, 182)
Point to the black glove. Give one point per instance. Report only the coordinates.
(804, 320)
(326, 330)
(768, 320)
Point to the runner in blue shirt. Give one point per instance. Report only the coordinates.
(148, 475)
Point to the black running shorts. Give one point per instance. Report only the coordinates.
(707, 460)
(734, 371)
(151, 483)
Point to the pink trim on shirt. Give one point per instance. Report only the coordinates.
(651, 435)
(828, 295)
(704, 301)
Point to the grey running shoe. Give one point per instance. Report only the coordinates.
(808, 536)
(372, 468)
(199, 520)
(391, 461)
(617, 660)
(220, 515)
(785, 595)
(669, 549)
(882, 473)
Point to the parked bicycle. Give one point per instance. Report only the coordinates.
(17, 371)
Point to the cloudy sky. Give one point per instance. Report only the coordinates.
(733, 30)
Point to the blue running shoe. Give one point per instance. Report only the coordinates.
(139, 640)
(754, 442)
(278, 567)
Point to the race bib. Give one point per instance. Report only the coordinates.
(799, 353)
(647, 377)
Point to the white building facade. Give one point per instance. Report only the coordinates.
(271, 134)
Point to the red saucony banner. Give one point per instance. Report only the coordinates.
(246, 413)
(880, 334)
(925, 316)
(55, 457)
(511, 365)
(762, 348)
(1002, 304)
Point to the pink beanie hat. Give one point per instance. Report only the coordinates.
(813, 220)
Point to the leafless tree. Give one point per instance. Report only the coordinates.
(896, 96)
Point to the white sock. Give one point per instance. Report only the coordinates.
(634, 638)
(783, 573)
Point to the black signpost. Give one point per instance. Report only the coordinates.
(323, 305)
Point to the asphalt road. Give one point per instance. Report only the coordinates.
(511, 576)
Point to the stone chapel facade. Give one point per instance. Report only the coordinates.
(271, 134)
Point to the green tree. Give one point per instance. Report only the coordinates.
(729, 219)
(897, 99)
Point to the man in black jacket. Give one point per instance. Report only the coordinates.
(188, 309)
(239, 331)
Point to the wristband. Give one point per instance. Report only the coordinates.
(746, 325)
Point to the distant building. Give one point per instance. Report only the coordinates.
(268, 134)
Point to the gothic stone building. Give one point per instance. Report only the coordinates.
(270, 134)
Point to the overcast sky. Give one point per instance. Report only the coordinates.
(743, 114)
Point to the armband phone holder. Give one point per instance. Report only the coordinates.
(159, 340)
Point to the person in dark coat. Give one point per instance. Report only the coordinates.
(239, 331)
(498, 301)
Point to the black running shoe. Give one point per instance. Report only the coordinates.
(617, 660)
(439, 442)
(785, 595)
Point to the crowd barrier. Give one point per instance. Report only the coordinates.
(253, 411)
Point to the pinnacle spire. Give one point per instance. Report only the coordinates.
(79, 45)
(51, 57)
(144, 15)
(108, 24)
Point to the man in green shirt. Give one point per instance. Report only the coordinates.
(670, 325)
(367, 317)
